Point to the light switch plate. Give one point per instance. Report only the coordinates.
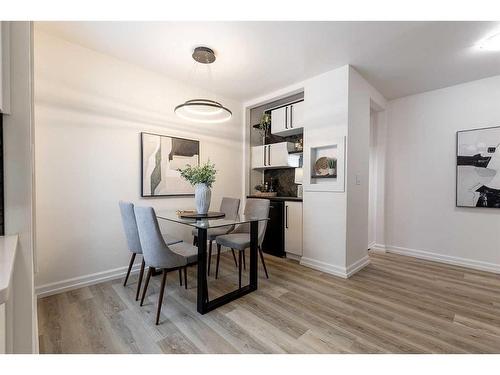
(358, 179)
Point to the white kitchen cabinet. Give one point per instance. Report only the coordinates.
(288, 120)
(293, 228)
(4, 67)
(275, 155)
(258, 156)
(297, 117)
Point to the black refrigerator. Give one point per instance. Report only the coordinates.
(274, 240)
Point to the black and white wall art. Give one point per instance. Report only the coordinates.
(162, 156)
(478, 168)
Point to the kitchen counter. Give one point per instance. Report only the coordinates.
(8, 247)
(294, 199)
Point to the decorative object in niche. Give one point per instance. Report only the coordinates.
(478, 168)
(325, 167)
(332, 165)
(161, 158)
(316, 166)
(321, 167)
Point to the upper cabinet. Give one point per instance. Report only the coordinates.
(4, 67)
(288, 120)
(275, 155)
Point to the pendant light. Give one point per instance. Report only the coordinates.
(203, 110)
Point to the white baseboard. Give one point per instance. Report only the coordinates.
(332, 269)
(82, 281)
(324, 267)
(358, 265)
(456, 261)
(378, 248)
(293, 257)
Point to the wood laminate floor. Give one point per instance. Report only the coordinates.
(395, 305)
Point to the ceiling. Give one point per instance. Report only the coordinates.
(255, 58)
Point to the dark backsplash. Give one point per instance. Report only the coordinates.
(282, 180)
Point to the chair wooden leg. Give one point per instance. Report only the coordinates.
(146, 283)
(244, 263)
(263, 263)
(160, 297)
(129, 268)
(239, 268)
(185, 277)
(209, 257)
(141, 274)
(180, 276)
(234, 257)
(218, 259)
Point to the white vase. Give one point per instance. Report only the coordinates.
(331, 171)
(202, 196)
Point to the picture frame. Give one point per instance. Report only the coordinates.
(161, 157)
(477, 178)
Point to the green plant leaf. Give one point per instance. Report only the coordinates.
(201, 174)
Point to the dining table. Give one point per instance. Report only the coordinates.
(203, 223)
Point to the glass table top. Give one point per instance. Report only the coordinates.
(172, 215)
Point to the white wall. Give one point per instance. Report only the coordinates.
(421, 217)
(21, 324)
(90, 110)
(362, 96)
(324, 212)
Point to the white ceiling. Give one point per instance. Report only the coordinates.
(254, 58)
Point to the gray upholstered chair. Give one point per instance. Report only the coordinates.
(157, 254)
(239, 238)
(133, 242)
(230, 206)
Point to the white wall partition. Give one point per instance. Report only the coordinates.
(421, 217)
(335, 216)
(18, 158)
(324, 212)
(90, 110)
(362, 97)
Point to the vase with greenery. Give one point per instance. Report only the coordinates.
(332, 165)
(264, 125)
(202, 178)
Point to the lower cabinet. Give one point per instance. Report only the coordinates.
(293, 228)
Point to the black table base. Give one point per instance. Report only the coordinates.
(205, 305)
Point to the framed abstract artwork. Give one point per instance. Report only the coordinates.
(478, 168)
(161, 158)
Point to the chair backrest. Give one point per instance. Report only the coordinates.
(258, 208)
(230, 206)
(130, 227)
(154, 249)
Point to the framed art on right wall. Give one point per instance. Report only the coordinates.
(478, 168)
